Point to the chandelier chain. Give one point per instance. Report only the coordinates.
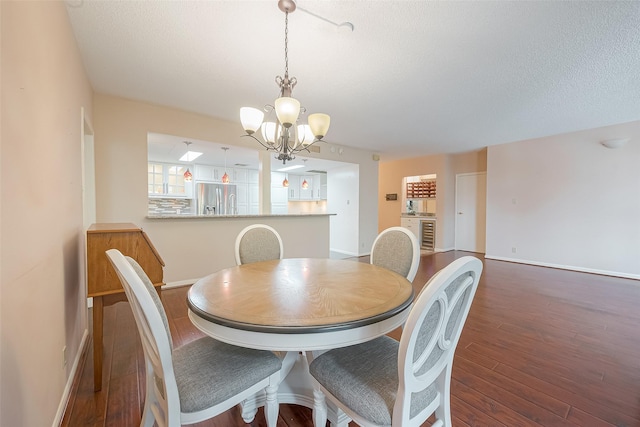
(286, 45)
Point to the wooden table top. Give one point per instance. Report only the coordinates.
(300, 295)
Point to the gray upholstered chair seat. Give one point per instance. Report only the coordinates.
(368, 385)
(209, 372)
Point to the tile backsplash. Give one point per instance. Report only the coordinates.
(169, 206)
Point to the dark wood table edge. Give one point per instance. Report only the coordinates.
(320, 328)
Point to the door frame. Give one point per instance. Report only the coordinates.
(87, 154)
(457, 194)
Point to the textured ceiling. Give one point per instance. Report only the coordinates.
(413, 78)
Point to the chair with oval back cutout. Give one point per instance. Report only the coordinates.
(198, 380)
(386, 383)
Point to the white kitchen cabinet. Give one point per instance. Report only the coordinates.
(279, 194)
(254, 199)
(306, 193)
(294, 187)
(167, 180)
(242, 198)
(211, 173)
(253, 190)
(413, 225)
(317, 185)
(320, 185)
(203, 173)
(239, 175)
(254, 176)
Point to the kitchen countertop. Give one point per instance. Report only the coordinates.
(192, 216)
(419, 216)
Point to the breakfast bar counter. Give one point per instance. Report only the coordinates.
(255, 216)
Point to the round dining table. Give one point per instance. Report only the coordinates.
(299, 307)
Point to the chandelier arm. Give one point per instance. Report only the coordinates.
(307, 146)
(268, 147)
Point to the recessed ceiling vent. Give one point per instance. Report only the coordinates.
(316, 171)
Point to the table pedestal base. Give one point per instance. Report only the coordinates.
(295, 388)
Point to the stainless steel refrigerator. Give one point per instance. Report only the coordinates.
(216, 199)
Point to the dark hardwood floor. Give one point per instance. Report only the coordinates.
(541, 347)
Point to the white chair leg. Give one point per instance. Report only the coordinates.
(271, 407)
(249, 408)
(319, 409)
(443, 412)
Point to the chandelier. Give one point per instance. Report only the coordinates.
(283, 135)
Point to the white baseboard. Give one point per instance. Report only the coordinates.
(64, 401)
(343, 252)
(566, 267)
(444, 249)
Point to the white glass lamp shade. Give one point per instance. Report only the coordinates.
(287, 110)
(319, 124)
(251, 119)
(305, 137)
(270, 132)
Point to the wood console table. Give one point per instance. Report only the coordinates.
(103, 283)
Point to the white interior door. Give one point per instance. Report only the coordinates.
(471, 211)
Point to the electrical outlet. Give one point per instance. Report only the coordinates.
(513, 250)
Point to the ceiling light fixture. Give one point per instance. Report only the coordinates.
(188, 176)
(289, 168)
(225, 177)
(189, 156)
(284, 135)
(305, 184)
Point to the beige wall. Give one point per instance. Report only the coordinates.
(193, 248)
(445, 166)
(43, 304)
(566, 201)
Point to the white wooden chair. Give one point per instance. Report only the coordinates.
(386, 383)
(199, 380)
(397, 249)
(258, 242)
